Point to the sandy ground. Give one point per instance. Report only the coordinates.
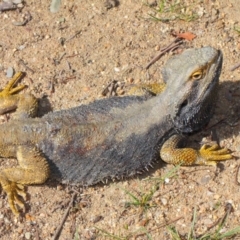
(69, 58)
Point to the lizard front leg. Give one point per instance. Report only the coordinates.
(33, 168)
(25, 104)
(206, 155)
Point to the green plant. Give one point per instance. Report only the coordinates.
(215, 235)
(143, 200)
(173, 10)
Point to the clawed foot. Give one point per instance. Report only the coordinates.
(209, 155)
(9, 89)
(15, 193)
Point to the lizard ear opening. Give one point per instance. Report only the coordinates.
(184, 104)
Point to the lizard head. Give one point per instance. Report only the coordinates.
(192, 81)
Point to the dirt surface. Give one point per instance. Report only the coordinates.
(69, 58)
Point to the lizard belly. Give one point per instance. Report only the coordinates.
(101, 152)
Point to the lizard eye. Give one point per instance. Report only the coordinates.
(197, 75)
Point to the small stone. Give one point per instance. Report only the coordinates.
(216, 196)
(10, 72)
(17, 1)
(166, 180)
(42, 215)
(59, 187)
(83, 204)
(6, 220)
(205, 179)
(156, 194)
(121, 92)
(130, 80)
(164, 201)
(152, 3)
(20, 230)
(207, 222)
(157, 48)
(27, 235)
(21, 47)
(55, 5)
(97, 219)
(200, 11)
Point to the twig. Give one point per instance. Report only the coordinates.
(228, 209)
(59, 229)
(236, 176)
(235, 67)
(61, 57)
(28, 17)
(161, 226)
(74, 55)
(171, 47)
(65, 80)
(70, 38)
(25, 65)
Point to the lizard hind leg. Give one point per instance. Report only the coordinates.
(33, 168)
(26, 104)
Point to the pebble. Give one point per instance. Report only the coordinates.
(97, 218)
(157, 48)
(156, 194)
(20, 230)
(6, 220)
(55, 5)
(116, 69)
(200, 11)
(207, 222)
(42, 215)
(164, 201)
(205, 179)
(21, 47)
(152, 3)
(166, 180)
(216, 197)
(17, 1)
(10, 72)
(27, 235)
(59, 187)
(130, 80)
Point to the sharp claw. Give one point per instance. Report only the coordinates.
(14, 80)
(9, 89)
(214, 153)
(14, 193)
(21, 192)
(213, 147)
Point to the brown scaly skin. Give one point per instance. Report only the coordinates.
(111, 138)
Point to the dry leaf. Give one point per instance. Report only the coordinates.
(186, 35)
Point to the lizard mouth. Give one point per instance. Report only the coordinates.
(197, 108)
